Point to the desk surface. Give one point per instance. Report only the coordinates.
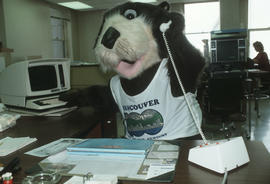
(256, 171)
(257, 73)
(47, 129)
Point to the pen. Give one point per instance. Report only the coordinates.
(10, 166)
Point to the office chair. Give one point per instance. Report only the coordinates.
(261, 88)
(256, 88)
(265, 84)
(224, 99)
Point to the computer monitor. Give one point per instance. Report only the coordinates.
(35, 84)
(228, 47)
(227, 50)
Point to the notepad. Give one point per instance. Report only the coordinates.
(111, 146)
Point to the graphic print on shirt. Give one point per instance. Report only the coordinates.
(148, 122)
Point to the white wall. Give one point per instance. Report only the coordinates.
(27, 28)
(233, 14)
(88, 27)
(75, 40)
(2, 25)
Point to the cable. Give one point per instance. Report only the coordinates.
(163, 28)
(224, 181)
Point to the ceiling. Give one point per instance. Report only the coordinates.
(106, 4)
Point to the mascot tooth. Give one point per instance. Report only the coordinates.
(145, 89)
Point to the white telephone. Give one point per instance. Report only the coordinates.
(221, 156)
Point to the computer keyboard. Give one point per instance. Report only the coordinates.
(45, 103)
(52, 101)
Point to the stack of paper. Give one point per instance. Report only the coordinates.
(59, 111)
(103, 146)
(7, 120)
(54, 147)
(157, 165)
(9, 144)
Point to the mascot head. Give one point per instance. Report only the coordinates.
(129, 38)
(130, 42)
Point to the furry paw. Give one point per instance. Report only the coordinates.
(73, 98)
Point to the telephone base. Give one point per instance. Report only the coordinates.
(220, 156)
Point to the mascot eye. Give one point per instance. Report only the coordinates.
(130, 14)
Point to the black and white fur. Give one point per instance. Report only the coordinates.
(130, 43)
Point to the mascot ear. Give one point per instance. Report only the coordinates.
(188, 59)
(178, 21)
(164, 5)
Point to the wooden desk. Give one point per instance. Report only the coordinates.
(81, 123)
(255, 172)
(256, 72)
(74, 125)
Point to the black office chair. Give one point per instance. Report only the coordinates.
(265, 84)
(224, 99)
(261, 88)
(256, 89)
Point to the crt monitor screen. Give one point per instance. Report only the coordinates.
(227, 50)
(42, 77)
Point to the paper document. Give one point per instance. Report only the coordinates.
(7, 120)
(59, 111)
(9, 145)
(168, 148)
(126, 167)
(159, 169)
(154, 163)
(160, 160)
(75, 179)
(2, 106)
(53, 147)
(163, 155)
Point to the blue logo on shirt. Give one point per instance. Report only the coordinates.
(149, 121)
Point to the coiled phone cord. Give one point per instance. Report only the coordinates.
(163, 29)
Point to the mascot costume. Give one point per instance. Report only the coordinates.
(146, 90)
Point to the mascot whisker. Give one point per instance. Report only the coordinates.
(146, 90)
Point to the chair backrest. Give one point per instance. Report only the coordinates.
(225, 95)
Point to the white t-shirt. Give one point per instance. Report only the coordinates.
(155, 113)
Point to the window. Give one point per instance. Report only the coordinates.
(258, 14)
(58, 41)
(197, 29)
(259, 25)
(61, 34)
(262, 36)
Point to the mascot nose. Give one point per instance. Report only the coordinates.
(110, 37)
